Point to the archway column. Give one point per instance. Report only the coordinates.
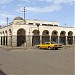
(5, 40)
(9, 40)
(66, 40)
(50, 38)
(14, 40)
(28, 40)
(58, 37)
(40, 39)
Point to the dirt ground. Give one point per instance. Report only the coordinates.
(22, 61)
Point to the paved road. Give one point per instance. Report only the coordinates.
(37, 62)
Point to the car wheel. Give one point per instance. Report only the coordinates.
(49, 48)
(39, 47)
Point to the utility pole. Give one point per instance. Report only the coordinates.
(7, 20)
(24, 14)
(65, 24)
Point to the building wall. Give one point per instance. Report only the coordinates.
(19, 34)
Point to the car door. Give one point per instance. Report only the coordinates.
(43, 45)
(46, 45)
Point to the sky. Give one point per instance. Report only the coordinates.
(61, 11)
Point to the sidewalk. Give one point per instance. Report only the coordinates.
(68, 45)
(16, 48)
(8, 48)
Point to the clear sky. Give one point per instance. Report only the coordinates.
(61, 11)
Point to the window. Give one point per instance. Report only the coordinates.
(44, 24)
(55, 25)
(30, 23)
(50, 25)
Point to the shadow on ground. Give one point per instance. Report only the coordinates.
(2, 73)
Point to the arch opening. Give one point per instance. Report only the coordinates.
(10, 38)
(70, 37)
(35, 37)
(45, 36)
(62, 37)
(21, 37)
(54, 36)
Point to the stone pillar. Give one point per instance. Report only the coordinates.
(29, 40)
(14, 40)
(50, 38)
(66, 40)
(9, 40)
(5, 40)
(27, 43)
(40, 39)
(58, 39)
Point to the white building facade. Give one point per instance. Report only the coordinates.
(33, 32)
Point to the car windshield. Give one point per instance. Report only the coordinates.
(52, 42)
(47, 43)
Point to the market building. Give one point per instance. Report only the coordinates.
(33, 32)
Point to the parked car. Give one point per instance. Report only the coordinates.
(49, 45)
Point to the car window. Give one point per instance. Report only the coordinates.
(52, 42)
(47, 43)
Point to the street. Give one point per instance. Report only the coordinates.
(37, 61)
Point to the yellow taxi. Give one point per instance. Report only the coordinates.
(49, 45)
